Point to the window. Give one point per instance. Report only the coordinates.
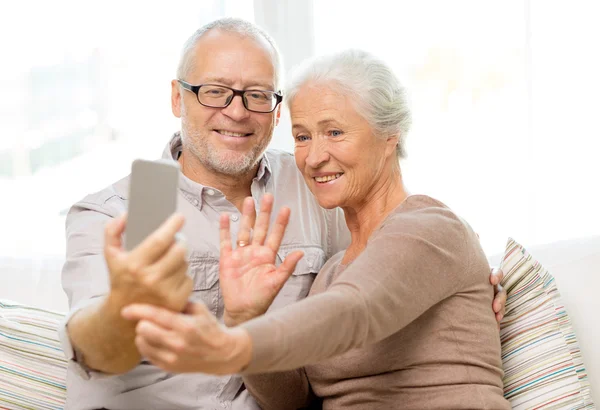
(70, 122)
(499, 93)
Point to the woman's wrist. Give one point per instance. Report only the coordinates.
(242, 349)
(233, 320)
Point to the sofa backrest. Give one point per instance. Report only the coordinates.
(33, 281)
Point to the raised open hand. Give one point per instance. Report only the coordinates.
(249, 278)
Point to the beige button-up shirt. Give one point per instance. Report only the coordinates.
(319, 233)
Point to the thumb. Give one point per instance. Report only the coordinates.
(496, 276)
(285, 270)
(113, 231)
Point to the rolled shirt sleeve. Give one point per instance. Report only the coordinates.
(85, 277)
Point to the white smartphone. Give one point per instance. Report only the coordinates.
(153, 195)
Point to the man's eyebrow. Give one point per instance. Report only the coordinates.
(222, 80)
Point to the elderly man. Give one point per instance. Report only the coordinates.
(221, 151)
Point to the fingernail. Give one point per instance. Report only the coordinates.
(180, 238)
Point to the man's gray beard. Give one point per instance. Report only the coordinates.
(209, 156)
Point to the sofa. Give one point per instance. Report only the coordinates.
(32, 303)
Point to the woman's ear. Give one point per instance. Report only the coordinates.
(391, 144)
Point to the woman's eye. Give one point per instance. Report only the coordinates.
(335, 133)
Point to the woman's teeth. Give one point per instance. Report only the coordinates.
(327, 178)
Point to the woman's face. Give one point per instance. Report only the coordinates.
(337, 152)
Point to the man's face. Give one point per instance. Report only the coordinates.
(227, 140)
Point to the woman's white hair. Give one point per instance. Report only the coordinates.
(369, 82)
(229, 25)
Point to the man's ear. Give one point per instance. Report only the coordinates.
(176, 98)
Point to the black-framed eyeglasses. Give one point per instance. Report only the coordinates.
(220, 96)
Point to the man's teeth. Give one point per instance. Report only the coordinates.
(327, 178)
(231, 134)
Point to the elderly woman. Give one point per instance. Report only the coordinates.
(400, 319)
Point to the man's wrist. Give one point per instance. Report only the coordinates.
(112, 308)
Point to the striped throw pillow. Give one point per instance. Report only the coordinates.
(543, 367)
(32, 364)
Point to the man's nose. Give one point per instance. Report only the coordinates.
(236, 110)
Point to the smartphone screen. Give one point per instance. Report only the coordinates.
(152, 199)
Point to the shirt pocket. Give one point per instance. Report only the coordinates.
(204, 271)
(311, 263)
(298, 285)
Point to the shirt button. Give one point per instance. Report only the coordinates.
(210, 192)
(196, 202)
(234, 218)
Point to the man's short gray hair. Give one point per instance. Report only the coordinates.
(369, 82)
(229, 25)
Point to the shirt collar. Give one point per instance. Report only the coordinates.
(193, 190)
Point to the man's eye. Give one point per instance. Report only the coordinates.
(255, 95)
(335, 133)
(302, 138)
(214, 91)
